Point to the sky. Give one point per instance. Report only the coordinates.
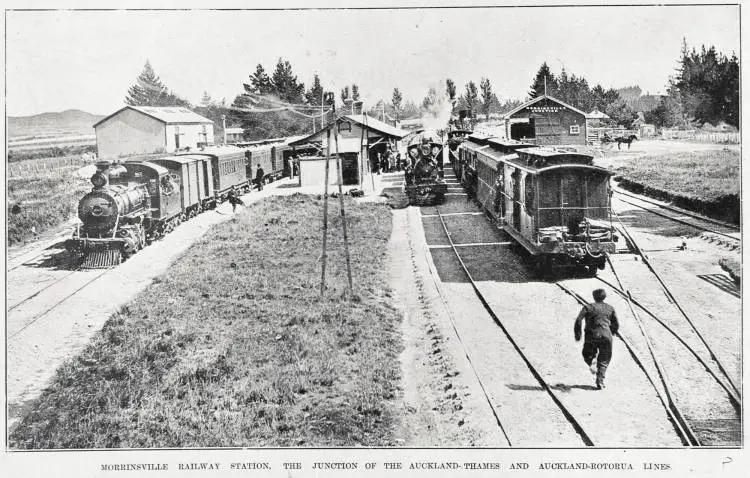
(87, 60)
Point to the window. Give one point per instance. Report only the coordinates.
(575, 129)
(345, 126)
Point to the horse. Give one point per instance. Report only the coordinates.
(626, 140)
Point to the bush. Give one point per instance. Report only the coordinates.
(53, 152)
(43, 203)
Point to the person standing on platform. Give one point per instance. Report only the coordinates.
(290, 165)
(259, 174)
(601, 325)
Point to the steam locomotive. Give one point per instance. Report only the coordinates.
(134, 202)
(423, 177)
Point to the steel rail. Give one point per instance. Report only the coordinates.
(452, 318)
(51, 308)
(566, 413)
(732, 397)
(23, 301)
(676, 422)
(659, 369)
(681, 221)
(676, 303)
(679, 211)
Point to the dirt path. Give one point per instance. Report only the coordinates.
(443, 404)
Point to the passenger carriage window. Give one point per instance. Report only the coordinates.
(575, 129)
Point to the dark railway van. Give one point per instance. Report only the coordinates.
(190, 176)
(554, 203)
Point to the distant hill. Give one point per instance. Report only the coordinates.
(69, 122)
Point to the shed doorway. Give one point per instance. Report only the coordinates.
(525, 130)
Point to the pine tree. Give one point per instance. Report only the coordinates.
(344, 94)
(285, 84)
(450, 89)
(148, 90)
(314, 95)
(538, 86)
(486, 88)
(396, 103)
(471, 98)
(260, 83)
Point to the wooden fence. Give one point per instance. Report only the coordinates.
(36, 167)
(718, 137)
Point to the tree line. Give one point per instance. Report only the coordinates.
(705, 89)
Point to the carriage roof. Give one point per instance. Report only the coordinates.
(535, 159)
(182, 159)
(159, 170)
(509, 143)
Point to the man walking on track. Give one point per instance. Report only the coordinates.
(601, 325)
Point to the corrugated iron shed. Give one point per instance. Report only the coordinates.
(165, 114)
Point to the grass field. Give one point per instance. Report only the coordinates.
(705, 175)
(46, 200)
(234, 346)
(707, 182)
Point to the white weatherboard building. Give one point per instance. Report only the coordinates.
(151, 129)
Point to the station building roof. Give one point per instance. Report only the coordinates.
(165, 114)
(364, 121)
(537, 100)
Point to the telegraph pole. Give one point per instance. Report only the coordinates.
(224, 127)
(325, 217)
(341, 202)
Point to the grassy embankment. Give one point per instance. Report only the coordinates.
(234, 347)
(46, 200)
(707, 182)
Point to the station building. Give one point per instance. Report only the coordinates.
(545, 120)
(233, 135)
(151, 129)
(360, 139)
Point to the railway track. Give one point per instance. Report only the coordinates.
(705, 227)
(566, 413)
(681, 426)
(44, 310)
(691, 428)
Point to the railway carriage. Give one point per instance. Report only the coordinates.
(471, 148)
(227, 169)
(192, 175)
(455, 138)
(256, 155)
(553, 203)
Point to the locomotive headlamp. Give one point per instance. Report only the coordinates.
(99, 180)
(425, 150)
